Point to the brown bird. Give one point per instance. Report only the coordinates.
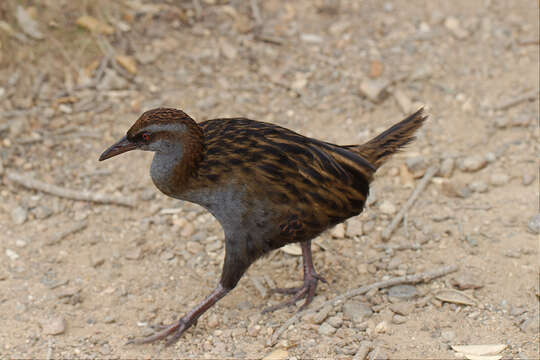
(267, 186)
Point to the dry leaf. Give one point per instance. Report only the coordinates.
(92, 24)
(277, 354)
(456, 297)
(127, 62)
(292, 249)
(480, 350)
(482, 357)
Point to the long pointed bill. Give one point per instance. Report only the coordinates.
(119, 147)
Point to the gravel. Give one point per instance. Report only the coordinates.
(499, 179)
(473, 163)
(357, 311)
(534, 224)
(447, 168)
(19, 215)
(326, 329)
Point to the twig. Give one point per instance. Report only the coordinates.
(398, 247)
(531, 95)
(256, 12)
(63, 234)
(409, 279)
(421, 186)
(259, 286)
(34, 184)
(49, 350)
(269, 39)
(38, 83)
(198, 9)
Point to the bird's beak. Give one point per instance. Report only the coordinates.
(121, 146)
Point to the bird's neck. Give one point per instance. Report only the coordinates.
(172, 171)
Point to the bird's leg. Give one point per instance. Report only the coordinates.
(173, 332)
(307, 290)
(234, 266)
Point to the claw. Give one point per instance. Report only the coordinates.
(306, 291)
(175, 331)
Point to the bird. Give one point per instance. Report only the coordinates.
(267, 186)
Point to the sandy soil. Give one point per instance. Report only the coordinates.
(306, 65)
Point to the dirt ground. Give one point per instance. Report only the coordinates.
(78, 279)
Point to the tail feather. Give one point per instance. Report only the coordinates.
(380, 148)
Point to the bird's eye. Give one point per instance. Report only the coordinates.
(145, 137)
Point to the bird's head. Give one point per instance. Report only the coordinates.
(160, 130)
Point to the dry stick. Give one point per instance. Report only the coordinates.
(531, 95)
(74, 228)
(409, 279)
(421, 185)
(256, 12)
(198, 9)
(34, 184)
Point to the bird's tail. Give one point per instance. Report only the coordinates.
(380, 148)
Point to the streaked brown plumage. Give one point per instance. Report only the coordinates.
(268, 186)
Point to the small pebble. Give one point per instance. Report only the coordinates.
(335, 321)
(311, 38)
(466, 280)
(354, 228)
(12, 255)
(534, 224)
(54, 325)
(416, 163)
(382, 327)
(194, 247)
(213, 321)
(491, 157)
(97, 260)
(527, 179)
(368, 226)
(447, 168)
(458, 190)
(402, 308)
(187, 230)
(473, 163)
(452, 24)
(19, 215)
(20, 243)
(501, 122)
(357, 311)
(399, 319)
(321, 315)
(512, 254)
(133, 254)
(374, 89)
(499, 179)
(402, 291)
(393, 263)
(338, 231)
(386, 207)
(326, 329)
(166, 256)
(109, 319)
(42, 212)
(448, 335)
(478, 186)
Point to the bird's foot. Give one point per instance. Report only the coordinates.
(170, 333)
(307, 291)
